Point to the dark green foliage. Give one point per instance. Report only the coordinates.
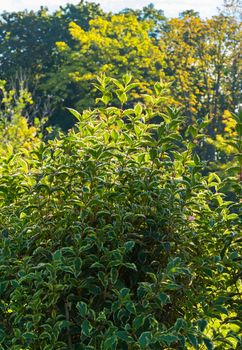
(28, 38)
(28, 48)
(150, 13)
(114, 240)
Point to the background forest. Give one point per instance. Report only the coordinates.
(120, 179)
(58, 56)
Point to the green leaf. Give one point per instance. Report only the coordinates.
(196, 159)
(213, 177)
(138, 109)
(114, 135)
(121, 96)
(158, 88)
(233, 256)
(131, 266)
(114, 275)
(110, 343)
(202, 324)
(57, 255)
(130, 306)
(86, 328)
(139, 321)
(124, 292)
(75, 113)
(5, 233)
(145, 339)
(106, 98)
(82, 308)
(103, 278)
(131, 86)
(125, 336)
(232, 216)
(182, 340)
(3, 286)
(164, 298)
(192, 339)
(192, 130)
(180, 324)
(172, 286)
(168, 338)
(29, 336)
(208, 343)
(166, 117)
(129, 245)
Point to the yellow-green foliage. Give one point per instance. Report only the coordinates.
(115, 46)
(221, 140)
(16, 135)
(201, 58)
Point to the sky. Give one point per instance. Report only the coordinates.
(172, 8)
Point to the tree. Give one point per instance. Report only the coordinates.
(28, 43)
(203, 59)
(35, 48)
(150, 13)
(24, 48)
(189, 13)
(114, 45)
(232, 8)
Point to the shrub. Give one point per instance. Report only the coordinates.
(116, 241)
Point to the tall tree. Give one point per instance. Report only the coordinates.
(232, 8)
(114, 45)
(203, 58)
(28, 41)
(150, 13)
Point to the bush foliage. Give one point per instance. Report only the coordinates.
(111, 237)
